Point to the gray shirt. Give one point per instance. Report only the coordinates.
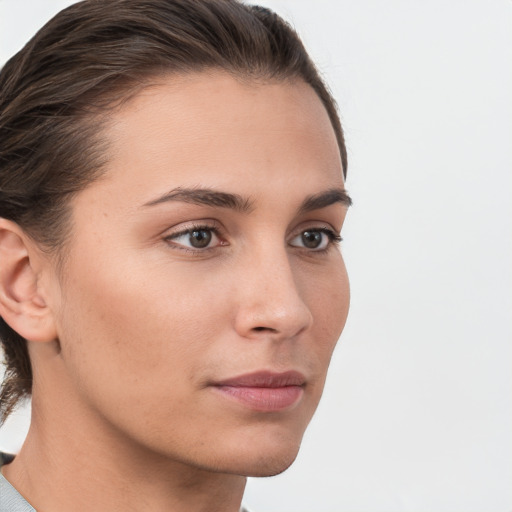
(11, 500)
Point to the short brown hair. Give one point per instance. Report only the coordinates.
(91, 56)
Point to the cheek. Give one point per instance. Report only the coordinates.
(328, 298)
(128, 322)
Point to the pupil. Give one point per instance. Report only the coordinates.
(312, 239)
(200, 238)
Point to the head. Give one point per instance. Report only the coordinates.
(171, 187)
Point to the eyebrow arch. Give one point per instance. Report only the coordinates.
(209, 197)
(205, 196)
(324, 199)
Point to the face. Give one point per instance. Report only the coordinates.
(203, 290)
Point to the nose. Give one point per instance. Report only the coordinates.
(269, 303)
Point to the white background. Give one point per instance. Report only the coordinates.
(417, 414)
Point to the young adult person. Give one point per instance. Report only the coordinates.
(171, 289)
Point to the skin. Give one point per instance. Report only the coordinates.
(138, 324)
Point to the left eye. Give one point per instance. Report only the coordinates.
(196, 238)
(314, 239)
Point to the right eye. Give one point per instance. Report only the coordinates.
(196, 238)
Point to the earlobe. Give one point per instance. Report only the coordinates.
(22, 306)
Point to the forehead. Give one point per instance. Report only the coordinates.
(210, 130)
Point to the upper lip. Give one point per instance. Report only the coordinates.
(265, 379)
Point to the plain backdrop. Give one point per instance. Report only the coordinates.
(417, 412)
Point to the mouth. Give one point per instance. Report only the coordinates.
(264, 391)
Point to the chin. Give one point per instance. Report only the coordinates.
(262, 459)
(270, 467)
(263, 449)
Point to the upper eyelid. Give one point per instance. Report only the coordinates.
(330, 232)
(217, 227)
(184, 227)
(314, 225)
(179, 234)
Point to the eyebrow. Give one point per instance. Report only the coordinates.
(210, 197)
(324, 199)
(207, 197)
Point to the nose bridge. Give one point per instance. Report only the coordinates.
(270, 300)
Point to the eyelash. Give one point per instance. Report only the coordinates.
(333, 238)
(195, 227)
(331, 234)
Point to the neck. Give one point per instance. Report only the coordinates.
(88, 466)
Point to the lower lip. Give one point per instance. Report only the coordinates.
(263, 399)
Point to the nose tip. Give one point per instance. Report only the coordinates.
(271, 306)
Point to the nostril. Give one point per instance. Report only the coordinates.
(259, 329)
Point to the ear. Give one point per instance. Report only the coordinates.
(22, 303)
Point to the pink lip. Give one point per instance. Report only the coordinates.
(264, 391)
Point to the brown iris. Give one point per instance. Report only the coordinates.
(200, 238)
(311, 239)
